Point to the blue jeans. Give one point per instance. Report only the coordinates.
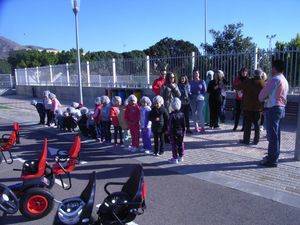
(273, 125)
(198, 110)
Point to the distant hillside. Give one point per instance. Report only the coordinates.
(7, 45)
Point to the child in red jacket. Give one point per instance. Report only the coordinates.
(114, 117)
(132, 116)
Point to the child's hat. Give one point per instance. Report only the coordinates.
(158, 99)
(84, 110)
(117, 99)
(146, 100)
(132, 98)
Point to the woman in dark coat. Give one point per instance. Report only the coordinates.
(169, 91)
(185, 91)
(215, 100)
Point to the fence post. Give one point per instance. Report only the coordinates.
(51, 75)
(114, 71)
(10, 81)
(297, 145)
(148, 69)
(37, 75)
(68, 74)
(88, 73)
(193, 63)
(255, 58)
(26, 76)
(16, 77)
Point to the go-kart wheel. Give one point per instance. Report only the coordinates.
(8, 200)
(36, 203)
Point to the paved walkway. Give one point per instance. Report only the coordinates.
(215, 157)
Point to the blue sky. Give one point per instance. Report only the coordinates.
(124, 25)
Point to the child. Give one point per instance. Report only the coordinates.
(82, 122)
(123, 123)
(176, 131)
(106, 123)
(59, 119)
(114, 113)
(70, 122)
(132, 116)
(97, 118)
(146, 124)
(159, 117)
(40, 108)
(91, 126)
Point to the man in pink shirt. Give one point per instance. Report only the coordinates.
(274, 94)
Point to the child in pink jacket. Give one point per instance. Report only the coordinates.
(132, 116)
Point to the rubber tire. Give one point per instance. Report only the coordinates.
(36, 191)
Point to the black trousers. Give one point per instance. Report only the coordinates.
(48, 114)
(251, 117)
(105, 131)
(158, 139)
(237, 115)
(118, 130)
(42, 117)
(214, 109)
(185, 109)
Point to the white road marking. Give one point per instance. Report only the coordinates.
(83, 162)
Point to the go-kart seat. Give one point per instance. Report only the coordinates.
(66, 162)
(122, 207)
(33, 169)
(8, 141)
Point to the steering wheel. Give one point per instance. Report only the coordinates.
(8, 200)
(62, 156)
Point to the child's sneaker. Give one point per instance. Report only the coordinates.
(155, 154)
(142, 150)
(148, 152)
(180, 159)
(261, 128)
(173, 161)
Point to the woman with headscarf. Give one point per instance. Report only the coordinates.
(209, 77)
(215, 99)
(243, 75)
(185, 91)
(198, 90)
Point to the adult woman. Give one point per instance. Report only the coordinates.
(169, 91)
(223, 83)
(185, 91)
(55, 104)
(198, 90)
(243, 75)
(47, 104)
(215, 99)
(209, 77)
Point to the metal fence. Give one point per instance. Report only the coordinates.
(141, 72)
(6, 81)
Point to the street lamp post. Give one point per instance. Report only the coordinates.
(270, 37)
(75, 6)
(205, 21)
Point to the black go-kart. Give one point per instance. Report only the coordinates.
(118, 208)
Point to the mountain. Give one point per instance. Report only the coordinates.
(7, 45)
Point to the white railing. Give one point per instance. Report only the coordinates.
(6, 81)
(141, 72)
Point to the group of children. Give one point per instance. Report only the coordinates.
(143, 118)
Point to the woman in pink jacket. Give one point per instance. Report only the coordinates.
(55, 104)
(132, 116)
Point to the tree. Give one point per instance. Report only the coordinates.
(292, 44)
(5, 67)
(170, 47)
(231, 39)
